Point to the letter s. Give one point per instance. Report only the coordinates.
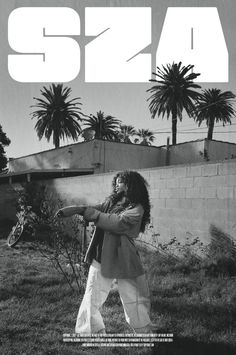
(39, 34)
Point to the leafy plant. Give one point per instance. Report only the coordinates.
(60, 241)
(67, 251)
(217, 258)
(4, 141)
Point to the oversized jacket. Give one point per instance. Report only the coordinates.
(119, 258)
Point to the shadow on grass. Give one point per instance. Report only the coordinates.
(212, 317)
(25, 280)
(25, 287)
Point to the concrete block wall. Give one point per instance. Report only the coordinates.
(87, 189)
(186, 200)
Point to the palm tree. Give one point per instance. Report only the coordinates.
(88, 134)
(146, 136)
(56, 115)
(174, 92)
(105, 127)
(126, 131)
(213, 106)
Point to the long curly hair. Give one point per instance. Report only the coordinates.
(137, 192)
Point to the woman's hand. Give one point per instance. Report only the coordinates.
(70, 211)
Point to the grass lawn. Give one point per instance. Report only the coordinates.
(37, 307)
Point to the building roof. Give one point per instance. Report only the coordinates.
(38, 174)
(84, 143)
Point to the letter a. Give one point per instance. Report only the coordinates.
(193, 35)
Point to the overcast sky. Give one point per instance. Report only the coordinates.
(125, 101)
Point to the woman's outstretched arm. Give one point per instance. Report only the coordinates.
(69, 211)
(113, 222)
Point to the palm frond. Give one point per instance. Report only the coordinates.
(174, 91)
(56, 115)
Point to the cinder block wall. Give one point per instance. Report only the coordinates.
(189, 200)
(186, 200)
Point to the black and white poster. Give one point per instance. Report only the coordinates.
(143, 85)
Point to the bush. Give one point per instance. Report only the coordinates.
(59, 240)
(218, 258)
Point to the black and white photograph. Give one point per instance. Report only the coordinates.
(118, 177)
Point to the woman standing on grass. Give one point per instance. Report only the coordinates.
(113, 254)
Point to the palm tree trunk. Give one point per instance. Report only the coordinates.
(174, 127)
(211, 128)
(57, 142)
(100, 129)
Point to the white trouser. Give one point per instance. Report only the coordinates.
(134, 295)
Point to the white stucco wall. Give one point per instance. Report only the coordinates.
(101, 155)
(105, 156)
(220, 150)
(187, 153)
(200, 151)
(118, 156)
(72, 156)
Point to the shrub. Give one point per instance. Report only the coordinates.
(59, 240)
(218, 258)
